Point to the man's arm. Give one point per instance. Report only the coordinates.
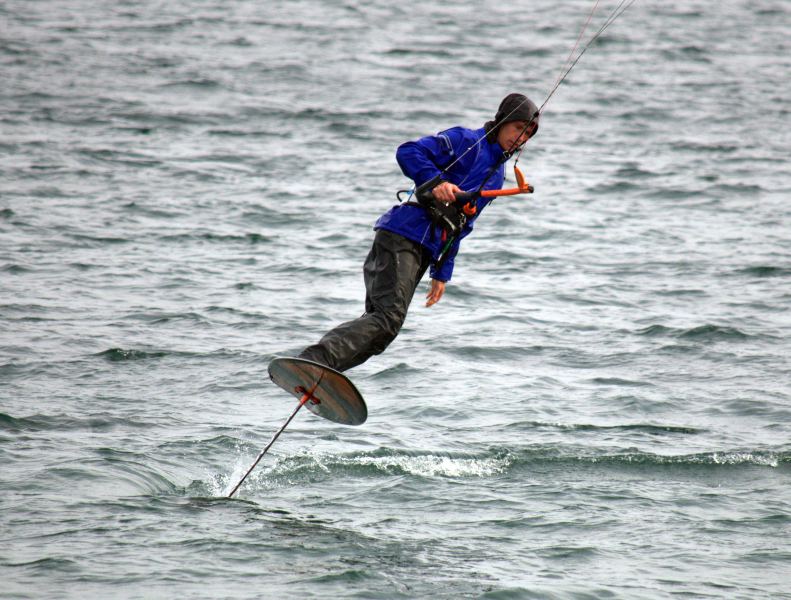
(422, 160)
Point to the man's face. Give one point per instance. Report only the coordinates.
(513, 134)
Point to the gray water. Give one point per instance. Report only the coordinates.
(599, 407)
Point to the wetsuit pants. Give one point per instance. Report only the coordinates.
(392, 271)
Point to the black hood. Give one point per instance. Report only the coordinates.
(514, 107)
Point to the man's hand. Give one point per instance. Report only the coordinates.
(435, 292)
(446, 192)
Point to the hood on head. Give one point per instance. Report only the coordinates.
(514, 107)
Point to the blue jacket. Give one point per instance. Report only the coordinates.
(422, 160)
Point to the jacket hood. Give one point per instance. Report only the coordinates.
(514, 107)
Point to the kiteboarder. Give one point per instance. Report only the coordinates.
(413, 237)
(425, 234)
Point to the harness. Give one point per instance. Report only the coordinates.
(452, 217)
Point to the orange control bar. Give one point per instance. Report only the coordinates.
(522, 187)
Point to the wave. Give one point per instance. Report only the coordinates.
(313, 114)
(46, 566)
(115, 472)
(396, 372)
(312, 466)
(689, 53)
(650, 428)
(197, 83)
(633, 171)
(169, 120)
(25, 309)
(615, 187)
(699, 147)
(95, 241)
(132, 354)
(155, 27)
(120, 354)
(620, 382)
(725, 189)
(707, 332)
(760, 458)
(40, 422)
(14, 269)
(436, 52)
(490, 353)
(765, 271)
(251, 238)
(391, 462)
(150, 211)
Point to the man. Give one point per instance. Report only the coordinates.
(412, 237)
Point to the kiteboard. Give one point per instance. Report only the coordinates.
(324, 391)
(330, 394)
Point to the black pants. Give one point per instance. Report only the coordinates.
(392, 271)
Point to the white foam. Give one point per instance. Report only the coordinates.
(432, 465)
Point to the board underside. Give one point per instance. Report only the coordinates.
(331, 394)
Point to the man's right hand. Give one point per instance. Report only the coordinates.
(435, 292)
(446, 192)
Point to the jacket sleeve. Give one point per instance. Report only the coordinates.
(446, 270)
(423, 159)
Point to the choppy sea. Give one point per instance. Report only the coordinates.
(599, 407)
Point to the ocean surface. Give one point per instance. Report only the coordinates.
(599, 407)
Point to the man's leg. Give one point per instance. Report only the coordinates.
(392, 272)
